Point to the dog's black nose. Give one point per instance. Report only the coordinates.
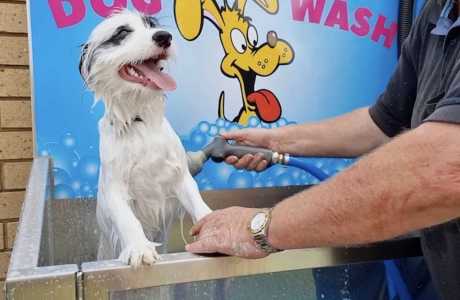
(162, 39)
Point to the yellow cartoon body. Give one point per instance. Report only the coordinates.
(245, 56)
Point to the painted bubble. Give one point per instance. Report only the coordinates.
(89, 168)
(68, 141)
(60, 176)
(240, 179)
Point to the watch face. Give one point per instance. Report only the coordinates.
(258, 222)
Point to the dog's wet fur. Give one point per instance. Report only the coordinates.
(144, 180)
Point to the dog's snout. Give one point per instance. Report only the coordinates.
(272, 38)
(162, 39)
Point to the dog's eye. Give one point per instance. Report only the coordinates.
(122, 33)
(238, 40)
(119, 35)
(253, 37)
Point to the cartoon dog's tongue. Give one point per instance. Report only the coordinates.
(157, 78)
(268, 106)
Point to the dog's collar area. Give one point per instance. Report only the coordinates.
(135, 119)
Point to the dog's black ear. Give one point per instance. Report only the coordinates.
(83, 57)
(150, 21)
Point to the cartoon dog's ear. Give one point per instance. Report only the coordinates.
(270, 6)
(190, 14)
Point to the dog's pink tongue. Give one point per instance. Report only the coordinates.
(157, 78)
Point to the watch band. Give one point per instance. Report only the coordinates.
(261, 238)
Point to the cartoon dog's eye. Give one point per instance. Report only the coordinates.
(238, 40)
(253, 37)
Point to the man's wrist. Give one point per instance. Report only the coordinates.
(273, 230)
(275, 139)
(258, 227)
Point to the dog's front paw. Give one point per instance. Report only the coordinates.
(201, 213)
(140, 253)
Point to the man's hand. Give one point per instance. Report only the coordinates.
(256, 137)
(226, 231)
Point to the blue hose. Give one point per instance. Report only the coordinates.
(310, 168)
(397, 288)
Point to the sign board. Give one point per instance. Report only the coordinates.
(336, 56)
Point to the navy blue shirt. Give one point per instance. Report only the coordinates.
(426, 87)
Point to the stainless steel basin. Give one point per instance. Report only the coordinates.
(55, 250)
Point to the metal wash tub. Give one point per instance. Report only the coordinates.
(55, 249)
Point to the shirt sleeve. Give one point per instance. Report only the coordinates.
(448, 109)
(393, 110)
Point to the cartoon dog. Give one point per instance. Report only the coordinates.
(144, 179)
(245, 58)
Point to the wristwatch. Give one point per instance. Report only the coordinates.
(259, 229)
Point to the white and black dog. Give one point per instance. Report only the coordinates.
(143, 177)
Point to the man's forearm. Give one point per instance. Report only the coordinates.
(410, 183)
(350, 135)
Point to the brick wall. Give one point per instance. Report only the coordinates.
(15, 122)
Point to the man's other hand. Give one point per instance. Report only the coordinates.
(226, 231)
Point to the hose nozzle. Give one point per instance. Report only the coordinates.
(220, 148)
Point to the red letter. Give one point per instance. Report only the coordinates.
(300, 8)
(389, 33)
(338, 15)
(104, 11)
(361, 28)
(63, 19)
(149, 8)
